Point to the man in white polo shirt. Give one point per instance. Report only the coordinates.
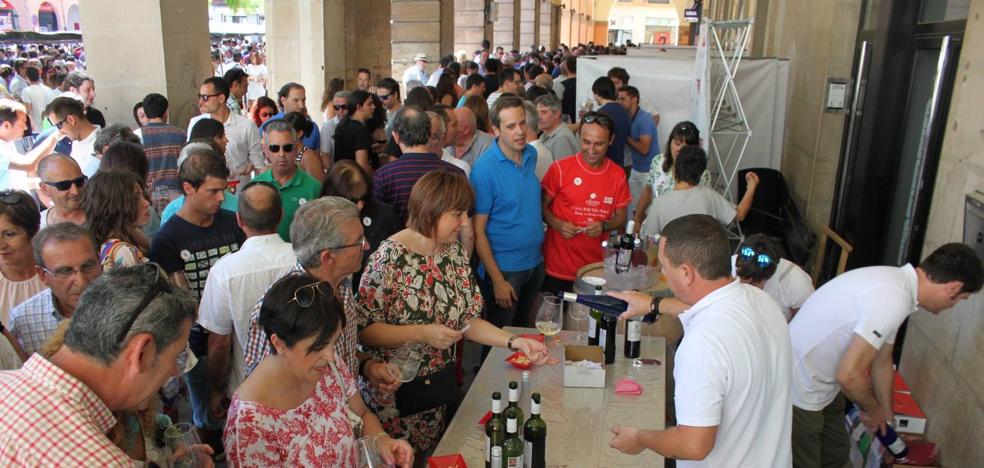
(843, 338)
(733, 365)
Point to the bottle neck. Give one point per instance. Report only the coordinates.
(513, 395)
(534, 409)
(496, 406)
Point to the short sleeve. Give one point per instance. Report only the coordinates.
(551, 180)
(700, 383)
(375, 287)
(482, 184)
(125, 256)
(214, 313)
(163, 251)
(881, 311)
(795, 287)
(622, 194)
(724, 211)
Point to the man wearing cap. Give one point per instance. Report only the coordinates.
(418, 72)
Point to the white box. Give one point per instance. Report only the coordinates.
(582, 376)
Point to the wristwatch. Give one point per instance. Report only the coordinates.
(654, 313)
(510, 342)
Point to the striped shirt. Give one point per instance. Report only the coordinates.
(392, 183)
(50, 418)
(34, 320)
(162, 143)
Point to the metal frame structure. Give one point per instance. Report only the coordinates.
(729, 129)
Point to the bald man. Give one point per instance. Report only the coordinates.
(62, 182)
(471, 142)
(234, 285)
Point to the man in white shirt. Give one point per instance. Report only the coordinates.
(13, 123)
(236, 282)
(758, 264)
(434, 77)
(510, 82)
(733, 364)
(35, 97)
(18, 83)
(418, 71)
(68, 116)
(843, 338)
(244, 155)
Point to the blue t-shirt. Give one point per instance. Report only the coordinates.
(229, 203)
(616, 151)
(510, 196)
(643, 125)
(312, 141)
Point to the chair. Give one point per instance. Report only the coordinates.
(846, 249)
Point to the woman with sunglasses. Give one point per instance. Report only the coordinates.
(758, 264)
(301, 405)
(661, 178)
(308, 160)
(379, 220)
(262, 110)
(418, 287)
(20, 220)
(114, 204)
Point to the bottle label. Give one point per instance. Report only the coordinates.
(511, 425)
(496, 406)
(634, 330)
(592, 324)
(602, 337)
(528, 454)
(488, 449)
(534, 407)
(513, 395)
(515, 462)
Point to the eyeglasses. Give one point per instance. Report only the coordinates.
(67, 272)
(599, 118)
(380, 142)
(206, 97)
(338, 108)
(267, 115)
(63, 185)
(383, 97)
(60, 124)
(305, 295)
(749, 254)
(160, 285)
(12, 197)
(361, 243)
(362, 198)
(287, 148)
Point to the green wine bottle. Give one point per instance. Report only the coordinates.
(495, 429)
(594, 317)
(512, 450)
(535, 434)
(514, 403)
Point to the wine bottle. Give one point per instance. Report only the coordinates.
(623, 259)
(601, 303)
(892, 442)
(514, 402)
(495, 430)
(606, 337)
(535, 435)
(512, 449)
(593, 317)
(633, 338)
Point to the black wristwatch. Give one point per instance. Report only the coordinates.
(654, 313)
(510, 342)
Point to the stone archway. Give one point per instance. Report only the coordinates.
(47, 18)
(73, 19)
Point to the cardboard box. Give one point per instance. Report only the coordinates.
(581, 376)
(909, 417)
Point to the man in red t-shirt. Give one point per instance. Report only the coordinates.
(584, 198)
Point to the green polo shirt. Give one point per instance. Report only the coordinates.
(301, 189)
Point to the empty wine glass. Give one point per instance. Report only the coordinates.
(548, 317)
(369, 456)
(180, 439)
(578, 312)
(406, 362)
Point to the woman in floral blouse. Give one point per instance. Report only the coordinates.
(418, 287)
(300, 406)
(661, 170)
(115, 208)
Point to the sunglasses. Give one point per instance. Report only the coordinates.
(380, 142)
(60, 124)
(12, 197)
(362, 198)
(63, 185)
(287, 148)
(338, 108)
(383, 97)
(160, 284)
(206, 97)
(305, 295)
(597, 117)
(749, 254)
(267, 115)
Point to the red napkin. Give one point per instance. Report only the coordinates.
(454, 460)
(485, 419)
(628, 387)
(533, 336)
(519, 360)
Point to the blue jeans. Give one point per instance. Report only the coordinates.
(198, 391)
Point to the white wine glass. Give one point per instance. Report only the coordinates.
(548, 317)
(578, 313)
(180, 440)
(406, 362)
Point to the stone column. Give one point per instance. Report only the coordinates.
(146, 46)
(415, 28)
(527, 24)
(306, 45)
(469, 25)
(502, 34)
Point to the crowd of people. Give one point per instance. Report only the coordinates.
(269, 262)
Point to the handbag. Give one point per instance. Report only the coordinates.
(427, 392)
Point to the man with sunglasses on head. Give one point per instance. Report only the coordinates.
(67, 261)
(187, 246)
(758, 264)
(13, 124)
(243, 154)
(68, 116)
(124, 341)
(61, 182)
(584, 198)
(280, 144)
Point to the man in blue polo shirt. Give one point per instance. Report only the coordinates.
(642, 140)
(508, 221)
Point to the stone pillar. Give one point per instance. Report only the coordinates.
(306, 45)
(502, 33)
(367, 27)
(527, 24)
(415, 28)
(146, 46)
(469, 25)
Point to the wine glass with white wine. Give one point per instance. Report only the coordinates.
(549, 316)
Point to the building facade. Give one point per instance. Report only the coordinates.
(40, 15)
